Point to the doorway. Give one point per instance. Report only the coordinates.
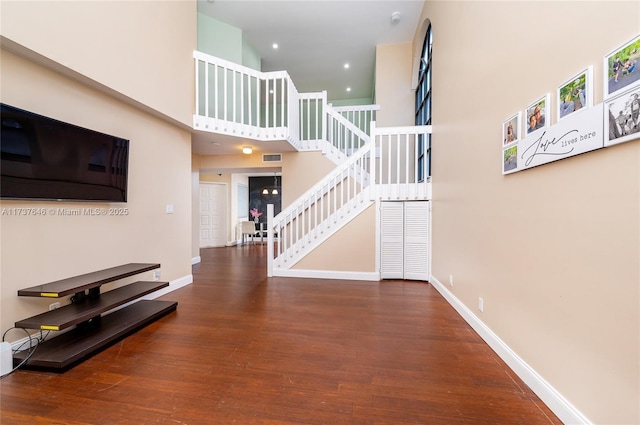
(213, 215)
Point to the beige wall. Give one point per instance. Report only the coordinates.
(40, 249)
(112, 75)
(211, 164)
(141, 49)
(352, 249)
(300, 171)
(553, 251)
(394, 93)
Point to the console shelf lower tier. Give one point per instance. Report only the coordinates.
(61, 353)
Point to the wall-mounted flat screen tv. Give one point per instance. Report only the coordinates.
(46, 159)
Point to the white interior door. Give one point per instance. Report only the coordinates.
(213, 208)
(404, 240)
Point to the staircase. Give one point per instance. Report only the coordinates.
(372, 164)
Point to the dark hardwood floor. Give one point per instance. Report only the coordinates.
(245, 349)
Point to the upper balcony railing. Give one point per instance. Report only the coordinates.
(236, 100)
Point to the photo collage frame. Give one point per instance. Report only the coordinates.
(621, 105)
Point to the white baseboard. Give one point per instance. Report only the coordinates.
(196, 260)
(6, 358)
(549, 395)
(327, 274)
(173, 285)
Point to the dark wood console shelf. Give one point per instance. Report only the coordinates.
(95, 326)
(72, 314)
(79, 283)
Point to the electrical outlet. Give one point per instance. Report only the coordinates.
(480, 304)
(450, 280)
(156, 274)
(54, 306)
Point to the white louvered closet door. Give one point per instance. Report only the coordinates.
(391, 240)
(416, 240)
(404, 240)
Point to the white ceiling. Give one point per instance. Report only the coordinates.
(315, 38)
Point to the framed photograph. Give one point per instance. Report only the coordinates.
(622, 117)
(537, 115)
(621, 68)
(510, 160)
(511, 129)
(575, 94)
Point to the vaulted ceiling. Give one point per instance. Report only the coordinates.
(316, 38)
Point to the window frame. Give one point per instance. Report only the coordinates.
(423, 105)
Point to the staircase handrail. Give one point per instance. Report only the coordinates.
(318, 187)
(237, 67)
(321, 211)
(345, 122)
(360, 115)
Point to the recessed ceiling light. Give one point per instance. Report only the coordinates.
(247, 150)
(346, 66)
(348, 88)
(274, 45)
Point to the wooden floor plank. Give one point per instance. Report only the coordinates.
(247, 349)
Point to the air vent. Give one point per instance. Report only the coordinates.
(272, 157)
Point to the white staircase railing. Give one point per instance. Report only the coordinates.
(386, 168)
(373, 163)
(360, 115)
(334, 132)
(318, 213)
(400, 171)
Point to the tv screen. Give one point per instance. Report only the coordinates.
(46, 159)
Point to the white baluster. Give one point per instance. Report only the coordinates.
(197, 106)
